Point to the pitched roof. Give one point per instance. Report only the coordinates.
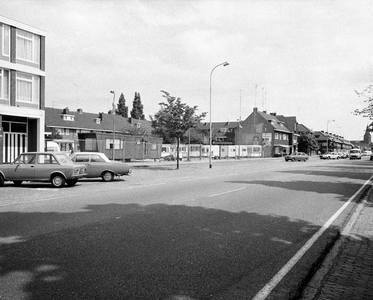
(290, 122)
(275, 123)
(54, 117)
(303, 128)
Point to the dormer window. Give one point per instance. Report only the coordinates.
(97, 120)
(68, 117)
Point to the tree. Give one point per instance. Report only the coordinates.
(137, 111)
(174, 119)
(307, 143)
(368, 110)
(122, 108)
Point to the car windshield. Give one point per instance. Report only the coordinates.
(354, 151)
(63, 158)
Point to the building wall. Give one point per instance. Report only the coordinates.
(22, 89)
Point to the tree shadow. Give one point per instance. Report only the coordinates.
(148, 252)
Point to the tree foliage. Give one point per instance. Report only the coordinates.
(307, 143)
(367, 111)
(174, 119)
(122, 108)
(137, 111)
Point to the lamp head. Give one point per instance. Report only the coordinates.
(226, 64)
(111, 92)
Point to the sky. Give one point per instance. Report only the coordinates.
(294, 58)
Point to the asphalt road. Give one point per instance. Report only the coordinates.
(161, 233)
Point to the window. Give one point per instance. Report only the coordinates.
(46, 159)
(26, 159)
(68, 117)
(96, 158)
(27, 88)
(109, 144)
(81, 158)
(6, 39)
(276, 135)
(4, 84)
(28, 46)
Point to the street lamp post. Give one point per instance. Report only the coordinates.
(113, 113)
(222, 64)
(327, 134)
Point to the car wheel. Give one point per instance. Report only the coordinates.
(71, 182)
(107, 176)
(58, 181)
(1, 180)
(293, 159)
(17, 182)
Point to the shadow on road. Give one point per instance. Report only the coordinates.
(158, 251)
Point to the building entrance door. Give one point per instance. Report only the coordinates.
(14, 140)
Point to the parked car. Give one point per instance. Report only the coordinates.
(366, 153)
(330, 155)
(55, 167)
(98, 165)
(167, 156)
(343, 155)
(355, 154)
(296, 156)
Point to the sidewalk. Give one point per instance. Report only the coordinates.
(350, 275)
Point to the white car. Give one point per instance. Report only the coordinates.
(330, 155)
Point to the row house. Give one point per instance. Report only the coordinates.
(329, 142)
(118, 137)
(277, 134)
(259, 128)
(22, 89)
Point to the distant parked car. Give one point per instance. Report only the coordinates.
(354, 154)
(366, 153)
(167, 156)
(55, 167)
(98, 165)
(296, 156)
(343, 155)
(330, 155)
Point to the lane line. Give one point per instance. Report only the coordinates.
(266, 290)
(231, 191)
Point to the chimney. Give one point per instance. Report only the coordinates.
(80, 111)
(255, 109)
(66, 111)
(100, 115)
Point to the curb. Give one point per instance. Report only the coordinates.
(313, 287)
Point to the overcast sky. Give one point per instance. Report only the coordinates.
(305, 57)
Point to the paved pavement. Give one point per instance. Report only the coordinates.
(347, 272)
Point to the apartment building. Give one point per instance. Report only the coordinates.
(22, 89)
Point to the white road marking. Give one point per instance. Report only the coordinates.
(231, 191)
(266, 290)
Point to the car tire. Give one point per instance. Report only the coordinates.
(293, 159)
(17, 182)
(58, 181)
(71, 182)
(1, 180)
(107, 176)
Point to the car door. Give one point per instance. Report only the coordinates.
(46, 163)
(23, 168)
(97, 164)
